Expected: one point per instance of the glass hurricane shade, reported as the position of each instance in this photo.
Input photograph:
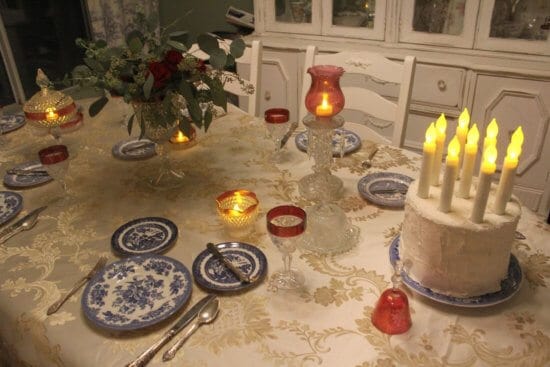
(324, 97)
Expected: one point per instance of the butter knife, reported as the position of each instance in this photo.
(27, 172)
(288, 134)
(23, 224)
(137, 146)
(98, 266)
(245, 278)
(147, 355)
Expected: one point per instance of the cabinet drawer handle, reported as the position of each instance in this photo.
(441, 85)
(267, 95)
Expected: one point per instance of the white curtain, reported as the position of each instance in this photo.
(111, 20)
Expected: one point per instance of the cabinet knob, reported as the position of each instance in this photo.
(441, 85)
(267, 95)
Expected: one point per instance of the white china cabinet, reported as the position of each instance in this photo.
(491, 56)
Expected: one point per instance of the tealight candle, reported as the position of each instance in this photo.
(468, 162)
(427, 163)
(181, 141)
(324, 109)
(238, 210)
(486, 171)
(51, 114)
(462, 132)
(440, 127)
(491, 134)
(449, 177)
(506, 183)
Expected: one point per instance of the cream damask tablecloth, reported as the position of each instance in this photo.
(326, 324)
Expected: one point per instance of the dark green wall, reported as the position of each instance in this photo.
(205, 15)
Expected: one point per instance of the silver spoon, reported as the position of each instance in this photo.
(206, 315)
(368, 162)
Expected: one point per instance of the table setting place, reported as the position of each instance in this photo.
(234, 247)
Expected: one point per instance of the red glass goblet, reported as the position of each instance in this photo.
(55, 160)
(277, 124)
(285, 225)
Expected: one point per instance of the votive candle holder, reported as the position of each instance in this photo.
(238, 210)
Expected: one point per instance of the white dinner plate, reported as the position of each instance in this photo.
(136, 292)
(509, 286)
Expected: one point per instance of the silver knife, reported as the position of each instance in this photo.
(147, 355)
(27, 222)
(235, 270)
(137, 146)
(288, 134)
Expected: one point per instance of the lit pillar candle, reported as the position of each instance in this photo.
(440, 127)
(491, 135)
(486, 171)
(468, 162)
(325, 108)
(506, 183)
(449, 177)
(462, 132)
(427, 163)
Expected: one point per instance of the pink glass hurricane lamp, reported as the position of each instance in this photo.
(325, 98)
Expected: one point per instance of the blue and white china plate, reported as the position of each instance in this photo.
(351, 144)
(11, 204)
(509, 286)
(22, 181)
(384, 188)
(136, 292)
(9, 123)
(129, 150)
(211, 274)
(144, 235)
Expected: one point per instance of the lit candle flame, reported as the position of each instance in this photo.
(441, 124)
(454, 148)
(490, 155)
(473, 135)
(464, 119)
(181, 137)
(430, 134)
(51, 115)
(517, 137)
(492, 129)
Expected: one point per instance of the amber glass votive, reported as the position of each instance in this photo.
(181, 141)
(238, 210)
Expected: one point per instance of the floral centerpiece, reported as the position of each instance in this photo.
(150, 68)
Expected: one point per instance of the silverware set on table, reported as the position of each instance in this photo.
(23, 224)
(202, 312)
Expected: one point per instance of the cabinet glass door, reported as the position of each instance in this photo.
(515, 25)
(354, 18)
(442, 22)
(293, 16)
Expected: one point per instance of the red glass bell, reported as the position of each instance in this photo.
(391, 314)
(324, 97)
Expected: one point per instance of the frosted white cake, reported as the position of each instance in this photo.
(451, 255)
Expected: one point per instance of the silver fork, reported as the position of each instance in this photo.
(57, 304)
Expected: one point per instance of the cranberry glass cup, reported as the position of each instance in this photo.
(285, 225)
(277, 124)
(55, 160)
(324, 97)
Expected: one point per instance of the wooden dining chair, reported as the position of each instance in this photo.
(251, 63)
(371, 97)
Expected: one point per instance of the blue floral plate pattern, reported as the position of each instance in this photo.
(22, 181)
(384, 188)
(509, 286)
(351, 144)
(144, 235)
(211, 274)
(136, 292)
(129, 150)
(10, 123)
(11, 204)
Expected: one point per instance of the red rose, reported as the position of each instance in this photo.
(201, 66)
(172, 59)
(161, 72)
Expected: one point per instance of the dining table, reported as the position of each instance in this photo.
(327, 322)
